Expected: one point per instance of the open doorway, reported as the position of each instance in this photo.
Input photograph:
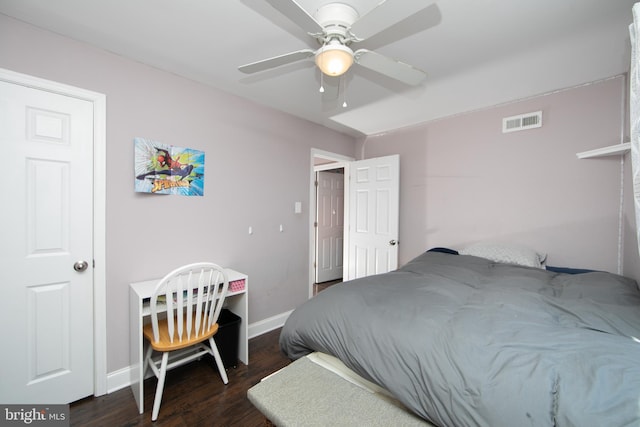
(326, 218)
(371, 213)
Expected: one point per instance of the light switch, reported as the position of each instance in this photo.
(297, 207)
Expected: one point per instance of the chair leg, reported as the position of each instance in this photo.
(216, 356)
(160, 386)
(147, 362)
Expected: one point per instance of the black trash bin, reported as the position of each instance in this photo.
(228, 337)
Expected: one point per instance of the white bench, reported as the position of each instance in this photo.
(305, 393)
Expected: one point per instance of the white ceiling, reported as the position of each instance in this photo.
(477, 53)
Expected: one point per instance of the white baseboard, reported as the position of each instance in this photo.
(268, 324)
(121, 378)
(118, 379)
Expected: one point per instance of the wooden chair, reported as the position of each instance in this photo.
(184, 308)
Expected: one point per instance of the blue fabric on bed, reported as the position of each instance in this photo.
(444, 251)
(567, 270)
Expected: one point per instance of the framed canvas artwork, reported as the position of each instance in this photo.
(166, 169)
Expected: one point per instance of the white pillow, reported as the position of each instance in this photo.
(505, 253)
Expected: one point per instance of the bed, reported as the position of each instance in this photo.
(462, 340)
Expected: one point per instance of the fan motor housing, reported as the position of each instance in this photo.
(336, 19)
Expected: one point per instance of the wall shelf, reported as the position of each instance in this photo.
(605, 151)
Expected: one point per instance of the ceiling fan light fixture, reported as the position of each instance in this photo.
(334, 59)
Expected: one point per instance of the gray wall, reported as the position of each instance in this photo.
(463, 180)
(257, 166)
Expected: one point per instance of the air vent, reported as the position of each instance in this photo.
(522, 122)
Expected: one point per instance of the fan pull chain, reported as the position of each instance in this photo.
(344, 92)
(321, 83)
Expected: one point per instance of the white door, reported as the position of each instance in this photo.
(373, 216)
(46, 307)
(330, 226)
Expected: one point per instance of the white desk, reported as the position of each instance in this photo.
(139, 295)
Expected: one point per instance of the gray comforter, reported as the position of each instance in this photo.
(463, 341)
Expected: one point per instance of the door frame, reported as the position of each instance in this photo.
(338, 161)
(99, 211)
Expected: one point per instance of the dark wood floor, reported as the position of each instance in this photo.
(319, 287)
(194, 394)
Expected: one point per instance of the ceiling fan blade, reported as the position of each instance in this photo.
(383, 16)
(292, 10)
(276, 61)
(397, 70)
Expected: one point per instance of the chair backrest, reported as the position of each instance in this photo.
(192, 297)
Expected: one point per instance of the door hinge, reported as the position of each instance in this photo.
(315, 224)
(315, 183)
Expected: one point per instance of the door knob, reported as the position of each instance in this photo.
(80, 266)
(392, 242)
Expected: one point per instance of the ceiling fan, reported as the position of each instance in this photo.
(336, 26)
